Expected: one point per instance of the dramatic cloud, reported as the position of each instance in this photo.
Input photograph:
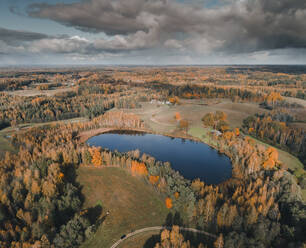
(172, 31)
(21, 41)
(16, 37)
(237, 27)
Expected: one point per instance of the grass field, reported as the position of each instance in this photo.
(36, 92)
(132, 202)
(202, 133)
(296, 100)
(161, 117)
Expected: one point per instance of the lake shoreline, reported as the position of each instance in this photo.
(86, 135)
(194, 155)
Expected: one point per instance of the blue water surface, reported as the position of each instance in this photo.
(192, 159)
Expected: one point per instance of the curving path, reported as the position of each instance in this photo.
(157, 228)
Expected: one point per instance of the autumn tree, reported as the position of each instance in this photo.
(219, 243)
(154, 179)
(174, 100)
(216, 120)
(177, 116)
(139, 168)
(173, 239)
(168, 202)
(95, 153)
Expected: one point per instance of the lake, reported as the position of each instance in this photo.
(192, 159)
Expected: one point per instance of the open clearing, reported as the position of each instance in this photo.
(296, 100)
(161, 117)
(132, 202)
(35, 92)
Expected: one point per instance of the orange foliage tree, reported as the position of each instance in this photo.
(219, 242)
(272, 158)
(237, 131)
(177, 116)
(95, 153)
(174, 100)
(139, 168)
(169, 203)
(154, 179)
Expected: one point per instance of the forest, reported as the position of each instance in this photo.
(42, 202)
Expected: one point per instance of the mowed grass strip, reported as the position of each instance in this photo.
(133, 203)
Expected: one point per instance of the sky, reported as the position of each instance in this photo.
(152, 32)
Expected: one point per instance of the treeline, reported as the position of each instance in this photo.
(85, 102)
(43, 109)
(18, 83)
(174, 238)
(274, 100)
(273, 128)
(92, 95)
(280, 104)
(298, 94)
(48, 86)
(195, 91)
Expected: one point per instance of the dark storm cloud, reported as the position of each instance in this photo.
(268, 24)
(238, 26)
(14, 37)
(278, 6)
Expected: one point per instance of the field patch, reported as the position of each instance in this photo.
(161, 117)
(132, 203)
(35, 92)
